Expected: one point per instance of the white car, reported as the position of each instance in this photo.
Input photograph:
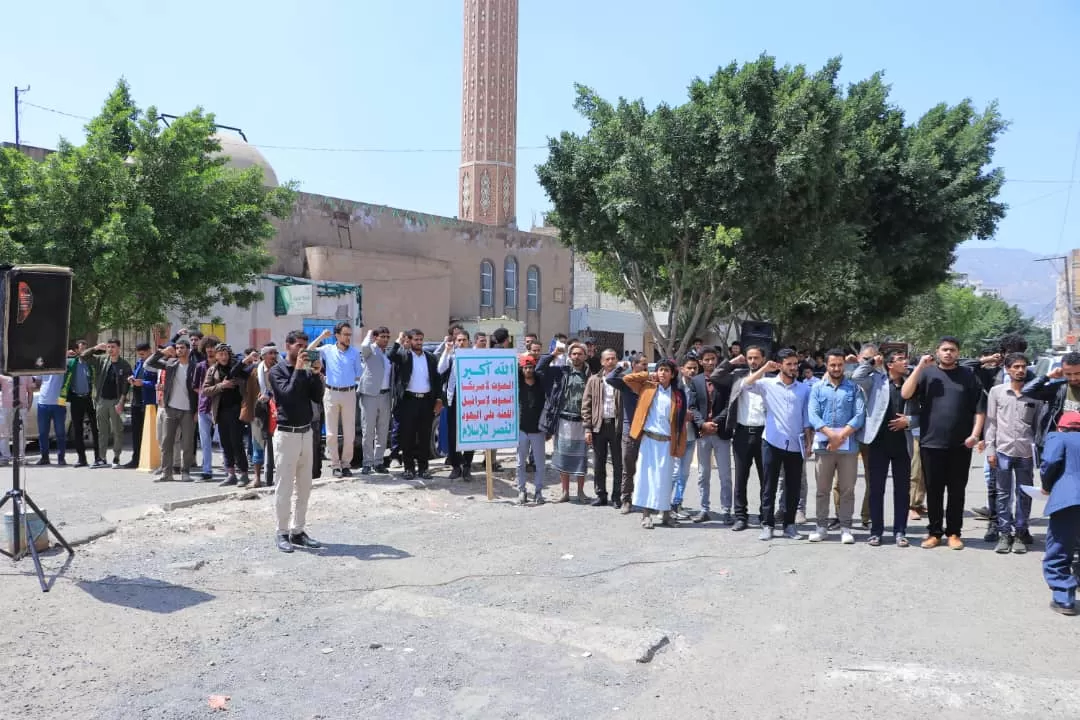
(30, 429)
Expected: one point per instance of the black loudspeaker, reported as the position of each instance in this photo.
(756, 332)
(36, 312)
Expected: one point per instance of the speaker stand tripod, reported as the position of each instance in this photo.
(19, 502)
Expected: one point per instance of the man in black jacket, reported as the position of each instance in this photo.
(746, 422)
(419, 393)
(708, 406)
(1060, 390)
(295, 384)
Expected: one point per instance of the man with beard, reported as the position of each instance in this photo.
(837, 412)
(344, 368)
(953, 409)
(708, 406)
(788, 436)
(746, 422)
(1060, 390)
(376, 384)
(111, 372)
(638, 364)
(420, 401)
(563, 419)
(1009, 437)
(601, 411)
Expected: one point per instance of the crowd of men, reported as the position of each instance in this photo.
(918, 424)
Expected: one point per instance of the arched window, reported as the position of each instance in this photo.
(532, 289)
(487, 284)
(510, 283)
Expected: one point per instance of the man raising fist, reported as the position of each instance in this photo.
(953, 408)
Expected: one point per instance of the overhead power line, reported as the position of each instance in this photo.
(307, 148)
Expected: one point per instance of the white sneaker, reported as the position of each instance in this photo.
(847, 538)
(819, 535)
(766, 533)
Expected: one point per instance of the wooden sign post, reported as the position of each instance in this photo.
(487, 405)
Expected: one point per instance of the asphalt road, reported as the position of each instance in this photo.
(430, 602)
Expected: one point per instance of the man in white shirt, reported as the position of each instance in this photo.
(420, 401)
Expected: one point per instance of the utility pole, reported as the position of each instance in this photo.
(18, 92)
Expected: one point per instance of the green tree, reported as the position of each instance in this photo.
(147, 216)
(976, 320)
(791, 198)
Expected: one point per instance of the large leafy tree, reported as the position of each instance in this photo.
(146, 214)
(772, 192)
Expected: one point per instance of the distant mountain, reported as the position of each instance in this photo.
(1015, 275)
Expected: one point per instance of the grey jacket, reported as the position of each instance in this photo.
(875, 386)
(371, 382)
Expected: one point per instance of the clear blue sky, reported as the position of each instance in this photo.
(387, 74)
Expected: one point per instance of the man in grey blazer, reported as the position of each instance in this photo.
(885, 433)
(375, 398)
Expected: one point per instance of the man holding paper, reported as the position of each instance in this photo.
(837, 411)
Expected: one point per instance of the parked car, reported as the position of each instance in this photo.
(30, 429)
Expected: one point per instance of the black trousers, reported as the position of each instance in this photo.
(138, 412)
(607, 443)
(82, 411)
(746, 446)
(462, 460)
(232, 438)
(789, 462)
(415, 416)
(945, 470)
(631, 448)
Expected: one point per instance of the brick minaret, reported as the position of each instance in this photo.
(486, 179)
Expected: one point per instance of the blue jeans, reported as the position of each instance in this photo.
(206, 442)
(56, 415)
(682, 468)
(530, 442)
(1010, 473)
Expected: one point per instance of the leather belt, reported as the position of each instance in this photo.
(384, 391)
(657, 436)
(341, 389)
(570, 416)
(294, 428)
(416, 395)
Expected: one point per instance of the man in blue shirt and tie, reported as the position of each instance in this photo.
(837, 411)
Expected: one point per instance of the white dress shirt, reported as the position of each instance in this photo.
(419, 380)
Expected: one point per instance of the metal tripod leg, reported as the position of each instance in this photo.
(17, 499)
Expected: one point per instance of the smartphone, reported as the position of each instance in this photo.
(312, 355)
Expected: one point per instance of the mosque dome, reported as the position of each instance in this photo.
(244, 155)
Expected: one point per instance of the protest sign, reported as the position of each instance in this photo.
(487, 399)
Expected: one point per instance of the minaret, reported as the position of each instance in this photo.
(487, 183)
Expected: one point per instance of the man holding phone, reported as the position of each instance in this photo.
(296, 384)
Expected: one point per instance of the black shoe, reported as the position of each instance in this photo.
(100, 464)
(346, 472)
(726, 519)
(229, 481)
(702, 516)
(207, 476)
(302, 540)
(1024, 536)
(600, 501)
(1063, 609)
(131, 465)
(382, 469)
(336, 472)
(426, 475)
(739, 525)
(538, 498)
(455, 473)
(408, 475)
(983, 512)
(366, 470)
(42, 461)
(834, 524)
(991, 535)
(466, 475)
(61, 463)
(283, 544)
(82, 463)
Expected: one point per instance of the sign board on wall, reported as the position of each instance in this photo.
(487, 399)
(294, 300)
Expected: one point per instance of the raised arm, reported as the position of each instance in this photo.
(367, 344)
(911, 384)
